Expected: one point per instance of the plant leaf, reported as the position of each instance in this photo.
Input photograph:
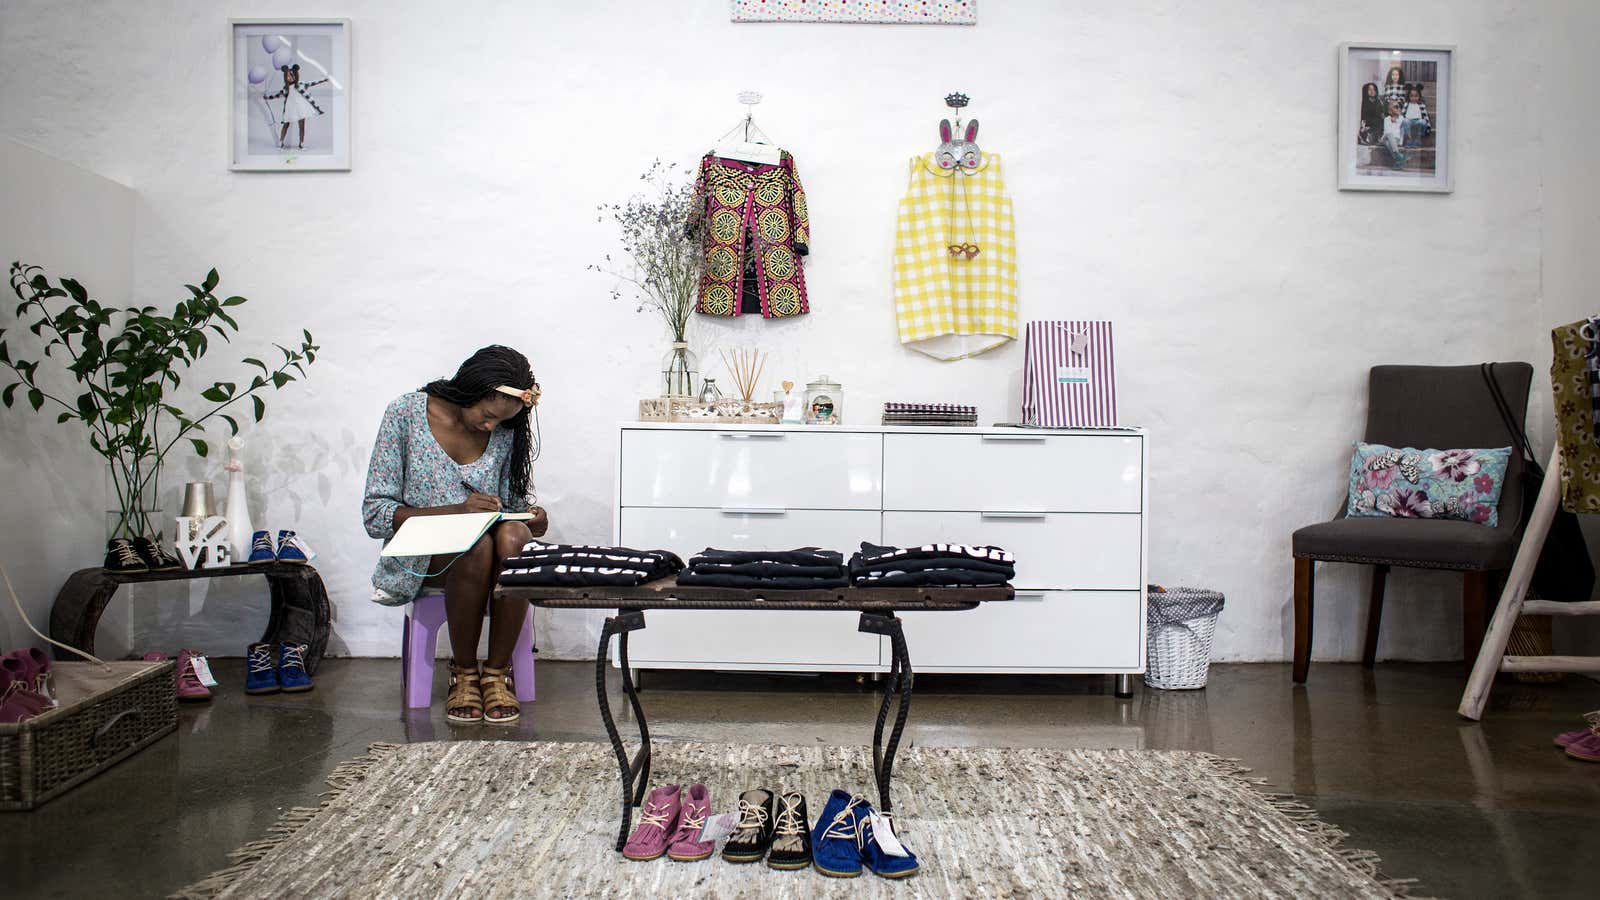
(261, 407)
(61, 418)
(7, 394)
(199, 446)
(211, 282)
(279, 379)
(214, 394)
(234, 301)
(35, 398)
(233, 426)
(251, 360)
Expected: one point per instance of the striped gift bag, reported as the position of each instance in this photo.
(1070, 376)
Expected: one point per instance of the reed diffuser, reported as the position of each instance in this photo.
(746, 367)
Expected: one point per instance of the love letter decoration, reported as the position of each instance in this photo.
(202, 543)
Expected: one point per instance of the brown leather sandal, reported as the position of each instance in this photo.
(464, 704)
(499, 701)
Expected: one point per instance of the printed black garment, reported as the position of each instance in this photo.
(803, 556)
(694, 577)
(767, 570)
(561, 575)
(932, 578)
(857, 569)
(873, 554)
(567, 565)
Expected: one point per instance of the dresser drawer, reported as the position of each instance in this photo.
(1091, 631)
(753, 468)
(688, 531)
(1020, 472)
(1059, 551)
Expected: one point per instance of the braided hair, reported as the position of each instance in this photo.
(476, 379)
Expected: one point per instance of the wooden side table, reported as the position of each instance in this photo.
(299, 612)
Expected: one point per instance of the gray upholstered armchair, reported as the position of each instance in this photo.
(1439, 407)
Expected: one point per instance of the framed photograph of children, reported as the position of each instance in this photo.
(1395, 117)
(289, 108)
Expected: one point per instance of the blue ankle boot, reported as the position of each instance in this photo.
(882, 863)
(262, 675)
(292, 675)
(835, 839)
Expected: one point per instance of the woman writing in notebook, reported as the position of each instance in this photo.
(461, 445)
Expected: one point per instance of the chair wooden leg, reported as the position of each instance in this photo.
(1369, 653)
(1475, 590)
(1303, 583)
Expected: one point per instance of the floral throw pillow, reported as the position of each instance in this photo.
(1427, 484)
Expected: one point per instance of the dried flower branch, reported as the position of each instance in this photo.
(663, 268)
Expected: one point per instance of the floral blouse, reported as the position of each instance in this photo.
(409, 468)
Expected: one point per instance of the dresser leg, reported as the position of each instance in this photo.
(1123, 687)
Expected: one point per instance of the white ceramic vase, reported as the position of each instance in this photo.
(240, 531)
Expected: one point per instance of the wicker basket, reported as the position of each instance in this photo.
(104, 717)
(1181, 622)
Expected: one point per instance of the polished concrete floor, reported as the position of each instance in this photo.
(1471, 810)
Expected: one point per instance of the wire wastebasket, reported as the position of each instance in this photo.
(1181, 622)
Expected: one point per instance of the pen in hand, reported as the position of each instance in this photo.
(471, 492)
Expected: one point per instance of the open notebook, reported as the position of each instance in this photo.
(436, 535)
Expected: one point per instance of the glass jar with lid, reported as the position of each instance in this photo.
(824, 402)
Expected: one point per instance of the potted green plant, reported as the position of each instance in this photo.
(663, 266)
(128, 365)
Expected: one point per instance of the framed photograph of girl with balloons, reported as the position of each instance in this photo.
(290, 100)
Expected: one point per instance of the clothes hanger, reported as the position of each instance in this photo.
(742, 147)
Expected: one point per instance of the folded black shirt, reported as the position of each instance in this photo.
(803, 556)
(695, 577)
(561, 575)
(932, 578)
(766, 570)
(568, 565)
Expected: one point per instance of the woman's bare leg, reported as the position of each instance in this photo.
(283, 133)
(302, 134)
(466, 598)
(505, 616)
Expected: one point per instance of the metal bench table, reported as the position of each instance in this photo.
(877, 607)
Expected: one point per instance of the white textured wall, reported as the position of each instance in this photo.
(1173, 170)
(52, 515)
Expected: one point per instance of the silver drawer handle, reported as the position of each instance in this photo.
(1012, 515)
(752, 435)
(754, 511)
(1013, 438)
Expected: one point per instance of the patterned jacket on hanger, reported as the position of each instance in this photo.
(750, 219)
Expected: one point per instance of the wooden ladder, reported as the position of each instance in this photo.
(1491, 656)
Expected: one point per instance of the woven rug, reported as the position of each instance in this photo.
(502, 819)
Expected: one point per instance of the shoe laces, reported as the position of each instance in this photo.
(293, 656)
(752, 816)
(847, 824)
(789, 822)
(263, 541)
(691, 824)
(189, 676)
(655, 815)
(260, 659)
(126, 555)
(1593, 718)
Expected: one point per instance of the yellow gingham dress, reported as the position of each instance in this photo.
(954, 307)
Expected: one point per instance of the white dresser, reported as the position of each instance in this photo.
(1069, 504)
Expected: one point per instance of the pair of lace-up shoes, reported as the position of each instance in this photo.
(141, 554)
(776, 828)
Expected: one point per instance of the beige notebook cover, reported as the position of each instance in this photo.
(435, 535)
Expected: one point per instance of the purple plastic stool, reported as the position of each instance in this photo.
(421, 638)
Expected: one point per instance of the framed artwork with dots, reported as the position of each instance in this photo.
(874, 12)
(289, 95)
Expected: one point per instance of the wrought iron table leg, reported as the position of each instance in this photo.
(633, 784)
(896, 686)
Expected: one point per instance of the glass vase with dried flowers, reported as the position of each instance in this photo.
(661, 265)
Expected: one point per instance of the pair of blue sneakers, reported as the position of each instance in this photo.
(290, 548)
(287, 673)
(842, 842)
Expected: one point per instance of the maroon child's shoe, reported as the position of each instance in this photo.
(187, 681)
(1586, 748)
(19, 702)
(686, 845)
(657, 824)
(1566, 738)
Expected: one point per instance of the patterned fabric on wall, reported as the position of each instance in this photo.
(882, 12)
